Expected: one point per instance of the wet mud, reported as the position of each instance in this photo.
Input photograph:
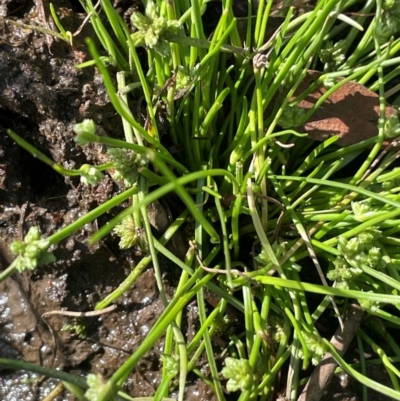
(42, 95)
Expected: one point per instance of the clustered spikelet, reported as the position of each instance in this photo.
(126, 164)
(130, 235)
(32, 252)
(151, 28)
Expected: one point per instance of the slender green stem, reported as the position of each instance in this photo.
(41, 156)
(42, 370)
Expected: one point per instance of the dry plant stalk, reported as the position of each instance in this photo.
(341, 340)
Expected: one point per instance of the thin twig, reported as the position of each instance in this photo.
(221, 271)
(55, 392)
(341, 340)
(80, 314)
(86, 19)
(74, 314)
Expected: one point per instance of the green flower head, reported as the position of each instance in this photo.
(392, 7)
(280, 328)
(85, 132)
(90, 175)
(333, 55)
(151, 29)
(392, 127)
(170, 364)
(130, 235)
(387, 26)
(362, 210)
(32, 252)
(126, 164)
(343, 272)
(367, 305)
(96, 385)
(315, 346)
(239, 373)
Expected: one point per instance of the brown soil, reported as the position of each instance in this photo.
(42, 95)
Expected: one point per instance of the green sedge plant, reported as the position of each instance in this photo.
(245, 175)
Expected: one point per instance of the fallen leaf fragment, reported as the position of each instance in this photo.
(352, 112)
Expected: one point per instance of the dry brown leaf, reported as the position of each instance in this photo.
(352, 112)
